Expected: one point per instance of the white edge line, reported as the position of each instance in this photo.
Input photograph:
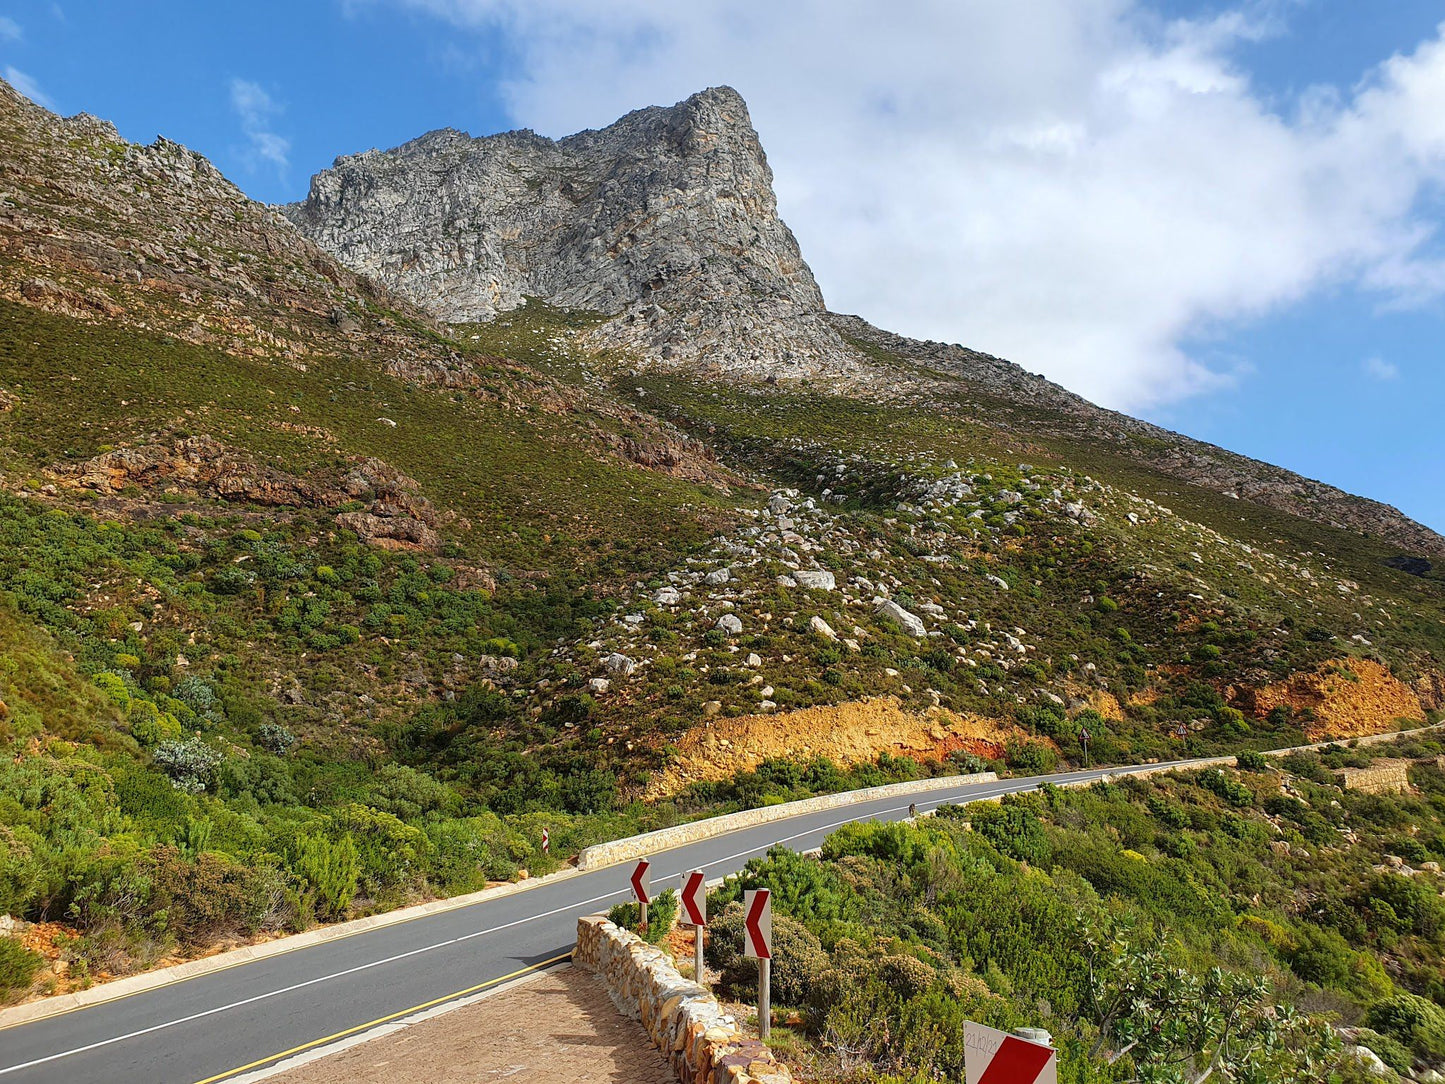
(302, 985)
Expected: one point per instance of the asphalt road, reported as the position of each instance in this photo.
(218, 1026)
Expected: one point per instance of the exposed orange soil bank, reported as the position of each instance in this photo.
(1347, 697)
(850, 733)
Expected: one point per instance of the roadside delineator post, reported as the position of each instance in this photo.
(694, 908)
(642, 890)
(758, 943)
(996, 1057)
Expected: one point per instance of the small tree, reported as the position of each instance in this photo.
(1177, 1027)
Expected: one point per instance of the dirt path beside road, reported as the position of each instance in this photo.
(559, 1028)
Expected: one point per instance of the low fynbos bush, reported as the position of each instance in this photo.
(275, 738)
(661, 913)
(1030, 757)
(18, 965)
(798, 958)
(191, 765)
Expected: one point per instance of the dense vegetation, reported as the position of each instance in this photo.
(1251, 924)
(221, 719)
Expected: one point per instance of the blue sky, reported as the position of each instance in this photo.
(1223, 217)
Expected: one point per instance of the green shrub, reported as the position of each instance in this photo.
(210, 895)
(803, 887)
(391, 854)
(191, 765)
(1014, 829)
(661, 914)
(1392, 1052)
(1322, 956)
(798, 958)
(908, 976)
(1412, 1021)
(18, 965)
(1029, 757)
(150, 726)
(327, 870)
(275, 738)
(113, 685)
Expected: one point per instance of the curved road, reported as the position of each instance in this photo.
(237, 1021)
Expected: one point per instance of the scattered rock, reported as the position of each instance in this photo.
(619, 665)
(815, 579)
(911, 623)
(823, 629)
(729, 624)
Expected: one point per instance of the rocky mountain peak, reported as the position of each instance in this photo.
(665, 221)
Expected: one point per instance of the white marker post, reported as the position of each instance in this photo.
(758, 943)
(641, 889)
(694, 906)
(995, 1057)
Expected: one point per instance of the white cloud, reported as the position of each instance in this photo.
(1377, 368)
(1078, 185)
(255, 109)
(9, 29)
(28, 87)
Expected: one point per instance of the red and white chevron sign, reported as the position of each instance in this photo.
(995, 1057)
(758, 924)
(640, 887)
(694, 898)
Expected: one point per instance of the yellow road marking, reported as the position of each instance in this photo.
(383, 1020)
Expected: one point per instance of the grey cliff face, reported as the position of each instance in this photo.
(665, 220)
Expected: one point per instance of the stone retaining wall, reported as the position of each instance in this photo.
(703, 1043)
(634, 847)
(1390, 776)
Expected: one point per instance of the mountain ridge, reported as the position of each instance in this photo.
(700, 321)
(664, 213)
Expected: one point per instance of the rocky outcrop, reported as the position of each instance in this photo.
(702, 1042)
(665, 221)
(396, 515)
(908, 621)
(1430, 688)
(97, 228)
(851, 733)
(199, 464)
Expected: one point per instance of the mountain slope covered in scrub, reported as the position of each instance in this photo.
(312, 604)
